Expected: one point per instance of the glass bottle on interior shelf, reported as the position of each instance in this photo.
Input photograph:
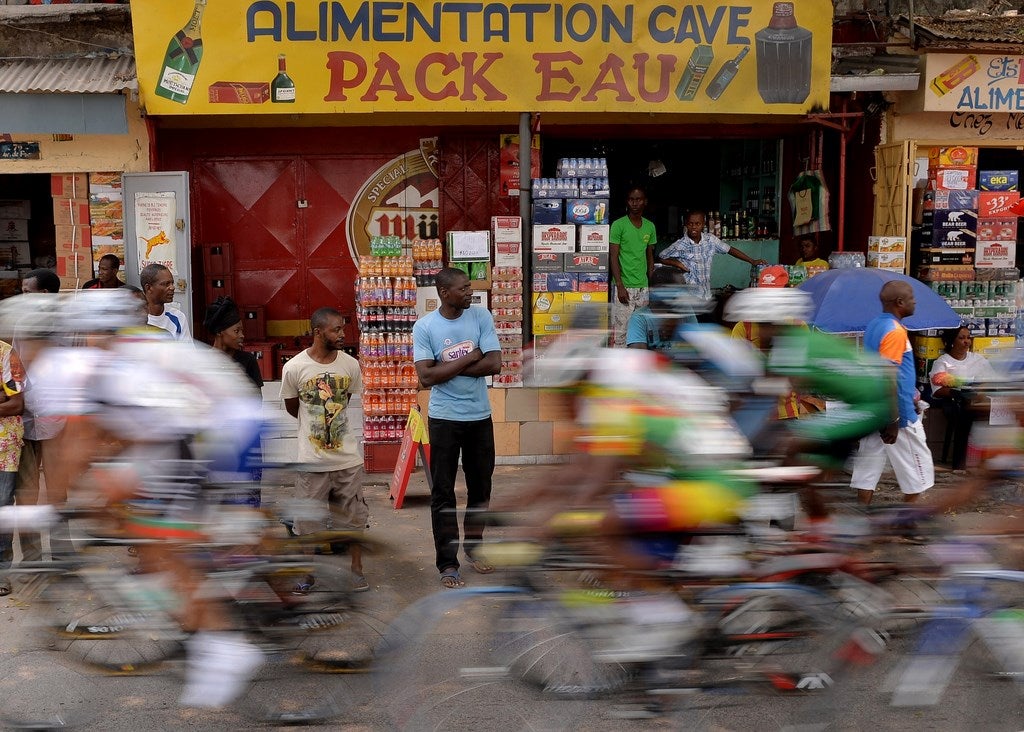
(182, 58)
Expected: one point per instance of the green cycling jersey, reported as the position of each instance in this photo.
(833, 368)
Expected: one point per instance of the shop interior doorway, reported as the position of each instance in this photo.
(30, 232)
(680, 175)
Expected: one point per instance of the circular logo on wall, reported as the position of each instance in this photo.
(401, 199)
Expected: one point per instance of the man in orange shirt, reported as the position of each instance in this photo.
(902, 441)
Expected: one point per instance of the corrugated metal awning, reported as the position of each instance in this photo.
(82, 75)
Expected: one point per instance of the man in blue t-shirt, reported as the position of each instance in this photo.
(656, 326)
(455, 348)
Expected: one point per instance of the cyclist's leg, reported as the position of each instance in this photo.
(27, 492)
(7, 481)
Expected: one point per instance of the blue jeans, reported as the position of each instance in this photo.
(7, 482)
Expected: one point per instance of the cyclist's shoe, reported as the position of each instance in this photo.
(220, 665)
(304, 586)
(654, 627)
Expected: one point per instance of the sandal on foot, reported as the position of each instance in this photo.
(5, 587)
(450, 579)
(359, 583)
(479, 566)
(304, 587)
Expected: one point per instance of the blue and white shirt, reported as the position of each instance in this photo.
(697, 257)
(174, 322)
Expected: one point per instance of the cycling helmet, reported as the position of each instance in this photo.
(768, 305)
(100, 311)
(140, 401)
(1009, 369)
(32, 315)
(565, 362)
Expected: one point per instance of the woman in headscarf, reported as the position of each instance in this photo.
(224, 322)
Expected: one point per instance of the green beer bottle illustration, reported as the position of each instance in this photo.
(716, 87)
(181, 62)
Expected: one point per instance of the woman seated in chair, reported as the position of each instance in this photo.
(951, 378)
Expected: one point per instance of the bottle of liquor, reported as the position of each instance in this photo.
(181, 62)
(282, 88)
(721, 79)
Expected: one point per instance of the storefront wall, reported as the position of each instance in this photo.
(297, 201)
(128, 153)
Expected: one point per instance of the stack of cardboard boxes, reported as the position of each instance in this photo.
(507, 297)
(888, 252)
(14, 247)
(570, 249)
(70, 193)
(969, 249)
(106, 214)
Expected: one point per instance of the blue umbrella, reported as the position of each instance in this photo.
(846, 300)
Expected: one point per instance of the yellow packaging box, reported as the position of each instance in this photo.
(991, 345)
(550, 324)
(927, 346)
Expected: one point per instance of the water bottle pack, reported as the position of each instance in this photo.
(582, 167)
(846, 260)
(555, 188)
(386, 246)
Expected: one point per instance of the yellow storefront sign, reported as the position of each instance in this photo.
(360, 56)
(970, 83)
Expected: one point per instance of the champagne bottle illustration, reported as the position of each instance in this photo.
(726, 74)
(783, 58)
(181, 62)
(282, 88)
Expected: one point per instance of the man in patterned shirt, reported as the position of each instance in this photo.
(696, 251)
(11, 431)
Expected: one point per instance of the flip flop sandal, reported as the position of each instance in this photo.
(480, 567)
(5, 587)
(451, 580)
(359, 583)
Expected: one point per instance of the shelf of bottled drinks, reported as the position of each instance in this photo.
(386, 311)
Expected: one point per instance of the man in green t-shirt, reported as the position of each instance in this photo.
(631, 258)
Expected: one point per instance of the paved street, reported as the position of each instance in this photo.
(400, 575)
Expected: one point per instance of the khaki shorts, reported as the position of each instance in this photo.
(342, 491)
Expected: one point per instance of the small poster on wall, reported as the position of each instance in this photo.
(508, 163)
(154, 226)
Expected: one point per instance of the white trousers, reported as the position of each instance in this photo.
(910, 458)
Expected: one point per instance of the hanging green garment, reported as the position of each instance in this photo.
(808, 198)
